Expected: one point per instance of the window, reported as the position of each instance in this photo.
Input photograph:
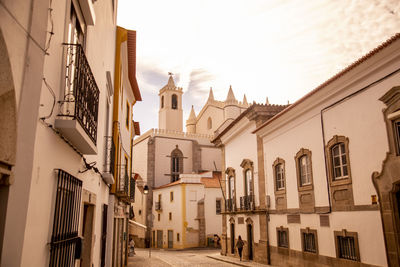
(305, 180)
(177, 237)
(231, 187)
(309, 240)
(218, 206)
(176, 164)
(249, 182)
(171, 196)
(140, 212)
(127, 115)
(158, 216)
(170, 216)
(162, 101)
(174, 101)
(279, 177)
(339, 162)
(282, 237)
(347, 245)
(304, 168)
(209, 123)
(76, 27)
(397, 134)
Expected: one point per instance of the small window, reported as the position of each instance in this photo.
(171, 196)
(309, 240)
(347, 245)
(279, 177)
(176, 164)
(177, 237)
(162, 101)
(283, 237)
(218, 206)
(127, 115)
(397, 134)
(170, 216)
(174, 101)
(209, 123)
(339, 162)
(140, 212)
(159, 217)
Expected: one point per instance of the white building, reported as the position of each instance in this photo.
(244, 183)
(162, 155)
(183, 210)
(57, 67)
(331, 166)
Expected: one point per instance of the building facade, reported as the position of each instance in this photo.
(328, 206)
(58, 96)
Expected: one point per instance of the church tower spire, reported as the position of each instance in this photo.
(191, 122)
(230, 97)
(170, 114)
(210, 95)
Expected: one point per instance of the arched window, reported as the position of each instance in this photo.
(176, 164)
(339, 162)
(279, 177)
(278, 168)
(162, 101)
(174, 101)
(209, 123)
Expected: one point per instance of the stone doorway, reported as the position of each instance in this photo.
(250, 241)
(159, 238)
(232, 238)
(87, 232)
(170, 239)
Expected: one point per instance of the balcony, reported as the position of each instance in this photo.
(108, 171)
(77, 119)
(230, 205)
(122, 184)
(157, 206)
(247, 202)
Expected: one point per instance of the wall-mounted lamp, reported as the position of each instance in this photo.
(145, 190)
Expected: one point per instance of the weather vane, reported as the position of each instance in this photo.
(170, 73)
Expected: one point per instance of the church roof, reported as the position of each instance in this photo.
(245, 101)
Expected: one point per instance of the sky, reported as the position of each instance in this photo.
(262, 48)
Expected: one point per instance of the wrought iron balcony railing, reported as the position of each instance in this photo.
(157, 206)
(81, 99)
(230, 205)
(132, 189)
(247, 202)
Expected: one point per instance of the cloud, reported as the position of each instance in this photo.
(199, 81)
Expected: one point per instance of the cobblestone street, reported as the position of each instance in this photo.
(191, 258)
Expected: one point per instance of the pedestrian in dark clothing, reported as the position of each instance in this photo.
(239, 245)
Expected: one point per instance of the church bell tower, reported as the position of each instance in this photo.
(170, 114)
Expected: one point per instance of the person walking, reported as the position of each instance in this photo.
(132, 247)
(239, 245)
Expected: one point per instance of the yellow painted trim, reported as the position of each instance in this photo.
(184, 223)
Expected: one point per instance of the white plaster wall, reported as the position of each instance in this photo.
(163, 149)
(283, 143)
(213, 220)
(168, 118)
(209, 155)
(241, 229)
(372, 246)
(217, 116)
(243, 145)
(175, 206)
(139, 158)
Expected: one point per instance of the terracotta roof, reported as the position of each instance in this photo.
(334, 78)
(132, 64)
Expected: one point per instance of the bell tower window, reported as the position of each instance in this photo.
(162, 102)
(174, 102)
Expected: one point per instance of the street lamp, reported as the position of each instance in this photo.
(146, 192)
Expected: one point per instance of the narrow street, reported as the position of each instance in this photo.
(191, 258)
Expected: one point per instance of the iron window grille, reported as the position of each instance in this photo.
(247, 202)
(132, 189)
(347, 248)
(309, 242)
(123, 181)
(283, 238)
(81, 99)
(65, 243)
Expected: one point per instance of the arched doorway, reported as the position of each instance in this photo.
(8, 132)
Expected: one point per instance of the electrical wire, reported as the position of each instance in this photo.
(54, 100)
